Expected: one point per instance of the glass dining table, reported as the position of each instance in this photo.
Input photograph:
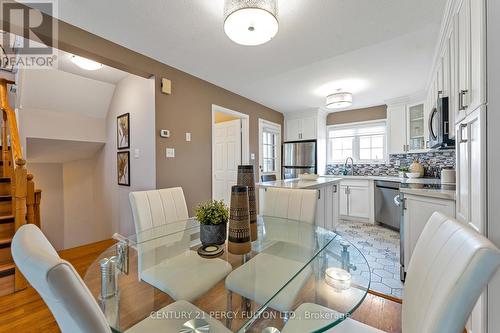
(298, 277)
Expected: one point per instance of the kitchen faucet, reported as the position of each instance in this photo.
(352, 166)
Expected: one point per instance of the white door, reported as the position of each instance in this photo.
(308, 128)
(344, 211)
(396, 128)
(269, 149)
(227, 155)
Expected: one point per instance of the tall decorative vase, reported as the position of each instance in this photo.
(246, 177)
(239, 241)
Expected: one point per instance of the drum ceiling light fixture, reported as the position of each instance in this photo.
(251, 22)
(339, 100)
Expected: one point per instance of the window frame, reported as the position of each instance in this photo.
(356, 142)
(276, 159)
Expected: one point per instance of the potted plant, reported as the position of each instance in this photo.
(213, 217)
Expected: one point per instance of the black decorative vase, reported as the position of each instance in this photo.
(213, 233)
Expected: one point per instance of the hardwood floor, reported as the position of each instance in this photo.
(25, 311)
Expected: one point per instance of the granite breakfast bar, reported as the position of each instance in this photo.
(328, 205)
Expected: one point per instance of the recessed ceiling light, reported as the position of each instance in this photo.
(339, 100)
(251, 22)
(87, 64)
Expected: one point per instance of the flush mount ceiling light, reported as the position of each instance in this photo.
(87, 64)
(251, 22)
(339, 100)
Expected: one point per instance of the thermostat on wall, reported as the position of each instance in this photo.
(165, 133)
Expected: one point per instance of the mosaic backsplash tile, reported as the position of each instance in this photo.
(432, 162)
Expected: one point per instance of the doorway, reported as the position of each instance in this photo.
(269, 149)
(230, 148)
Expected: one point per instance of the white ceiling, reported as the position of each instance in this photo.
(383, 48)
(59, 151)
(55, 90)
(104, 74)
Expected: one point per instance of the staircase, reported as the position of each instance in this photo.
(19, 201)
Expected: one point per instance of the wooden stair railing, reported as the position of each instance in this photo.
(25, 199)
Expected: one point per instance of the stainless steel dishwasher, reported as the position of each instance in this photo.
(386, 212)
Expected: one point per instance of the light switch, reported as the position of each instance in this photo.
(252, 156)
(188, 137)
(170, 152)
(137, 153)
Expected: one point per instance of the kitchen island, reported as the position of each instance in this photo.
(328, 204)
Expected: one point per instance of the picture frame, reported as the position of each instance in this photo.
(123, 131)
(123, 168)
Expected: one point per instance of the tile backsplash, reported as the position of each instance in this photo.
(431, 161)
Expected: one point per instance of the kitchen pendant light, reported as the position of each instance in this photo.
(339, 100)
(251, 22)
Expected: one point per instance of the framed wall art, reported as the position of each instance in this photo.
(123, 131)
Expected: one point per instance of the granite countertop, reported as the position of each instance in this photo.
(301, 184)
(417, 186)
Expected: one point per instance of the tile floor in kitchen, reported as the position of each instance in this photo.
(380, 246)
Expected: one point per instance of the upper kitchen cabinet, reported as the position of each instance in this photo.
(469, 28)
(396, 128)
(406, 128)
(301, 129)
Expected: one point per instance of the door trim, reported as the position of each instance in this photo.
(245, 136)
(262, 123)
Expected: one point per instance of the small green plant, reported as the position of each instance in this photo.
(404, 169)
(212, 212)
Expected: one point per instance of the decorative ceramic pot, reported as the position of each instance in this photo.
(416, 167)
(239, 241)
(213, 233)
(246, 177)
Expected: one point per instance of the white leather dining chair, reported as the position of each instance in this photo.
(449, 268)
(290, 248)
(69, 299)
(292, 204)
(160, 260)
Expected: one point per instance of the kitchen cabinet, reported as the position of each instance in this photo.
(406, 128)
(327, 208)
(357, 200)
(417, 211)
(396, 128)
(471, 173)
(301, 129)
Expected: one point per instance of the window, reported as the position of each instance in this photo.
(270, 142)
(364, 142)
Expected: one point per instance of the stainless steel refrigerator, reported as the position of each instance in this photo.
(299, 157)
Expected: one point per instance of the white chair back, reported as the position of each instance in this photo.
(450, 267)
(57, 282)
(293, 204)
(166, 211)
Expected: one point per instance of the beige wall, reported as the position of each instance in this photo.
(357, 115)
(187, 109)
(49, 177)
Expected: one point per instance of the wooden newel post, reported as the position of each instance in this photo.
(5, 146)
(38, 199)
(30, 200)
(21, 181)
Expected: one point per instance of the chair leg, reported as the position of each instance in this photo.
(229, 309)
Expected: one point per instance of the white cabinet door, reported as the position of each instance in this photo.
(463, 172)
(463, 30)
(308, 128)
(359, 199)
(292, 129)
(477, 54)
(344, 211)
(418, 210)
(396, 129)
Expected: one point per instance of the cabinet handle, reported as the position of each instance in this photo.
(460, 133)
(461, 104)
(319, 194)
(446, 127)
(334, 188)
